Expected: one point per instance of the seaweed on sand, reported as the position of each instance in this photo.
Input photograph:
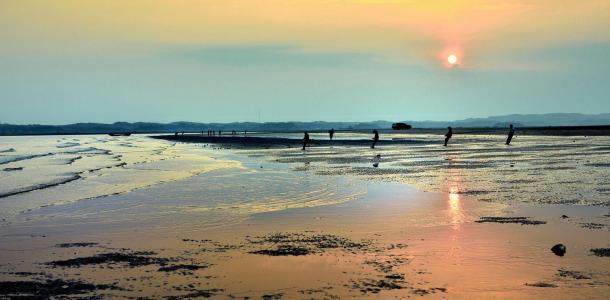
(296, 244)
(49, 288)
(182, 268)
(132, 259)
(572, 274)
(541, 285)
(284, 250)
(197, 294)
(513, 220)
(74, 245)
(601, 252)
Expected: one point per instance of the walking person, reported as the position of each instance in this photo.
(305, 140)
(448, 135)
(375, 138)
(511, 133)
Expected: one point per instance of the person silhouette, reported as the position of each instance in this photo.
(331, 133)
(448, 135)
(511, 133)
(305, 139)
(375, 138)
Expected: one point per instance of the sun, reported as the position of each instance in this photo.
(452, 59)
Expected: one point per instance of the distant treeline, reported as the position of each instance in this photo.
(520, 121)
(141, 127)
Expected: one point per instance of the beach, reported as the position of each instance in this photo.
(179, 217)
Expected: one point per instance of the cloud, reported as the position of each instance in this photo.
(274, 55)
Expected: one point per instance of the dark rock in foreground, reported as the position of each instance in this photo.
(559, 249)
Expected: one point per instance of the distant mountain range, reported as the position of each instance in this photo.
(532, 120)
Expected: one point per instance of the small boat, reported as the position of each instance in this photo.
(119, 134)
(401, 126)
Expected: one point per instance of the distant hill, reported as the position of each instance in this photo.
(531, 120)
(540, 120)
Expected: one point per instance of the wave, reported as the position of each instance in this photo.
(68, 145)
(41, 186)
(12, 159)
(12, 169)
(89, 150)
(72, 160)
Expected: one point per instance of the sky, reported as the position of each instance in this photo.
(67, 61)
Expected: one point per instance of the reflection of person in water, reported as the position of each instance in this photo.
(375, 138)
(511, 133)
(448, 135)
(305, 140)
(331, 133)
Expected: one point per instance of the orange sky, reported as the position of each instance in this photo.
(408, 31)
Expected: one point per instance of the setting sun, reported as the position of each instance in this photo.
(452, 59)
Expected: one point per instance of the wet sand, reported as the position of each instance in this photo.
(388, 240)
(254, 142)
(393, 243)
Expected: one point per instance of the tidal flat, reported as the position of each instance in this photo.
(129, 217)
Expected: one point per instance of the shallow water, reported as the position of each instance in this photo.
(48, 178)
(533, 169)
(41, 175)
(43, 171)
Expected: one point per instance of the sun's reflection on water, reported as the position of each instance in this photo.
(454, 201)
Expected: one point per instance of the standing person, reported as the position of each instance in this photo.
(375, 138)
(511, 133)
(305, 140)
(331, 133)
(219, 132)
(448, 135)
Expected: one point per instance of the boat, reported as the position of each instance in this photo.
(120, 134)
(401, 126)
